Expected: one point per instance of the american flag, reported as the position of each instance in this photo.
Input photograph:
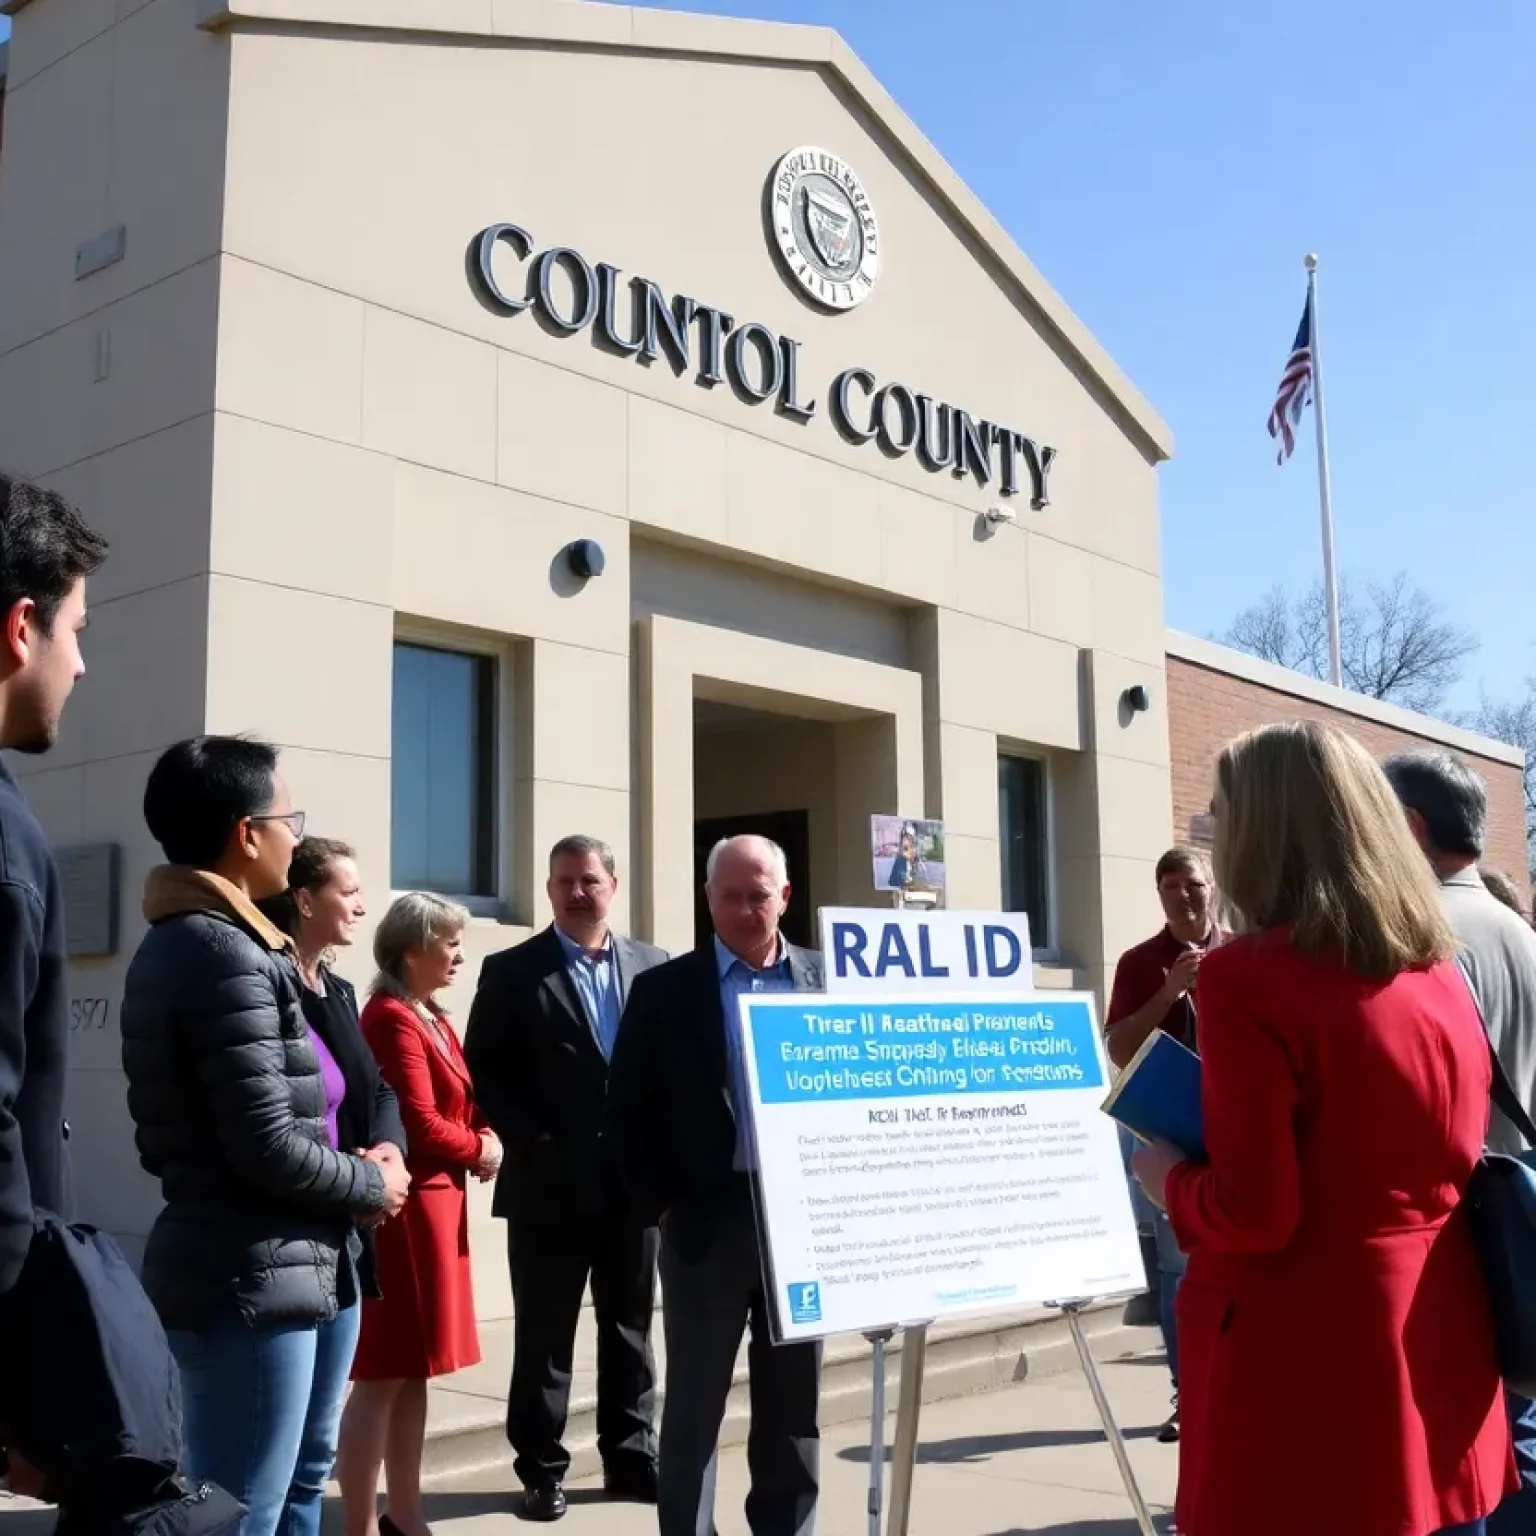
(1295, 387)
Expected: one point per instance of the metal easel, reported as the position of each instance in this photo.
(909, 1406)
(878, 1340)
(909, 1392)
(1072, 1311)
(909, 1403)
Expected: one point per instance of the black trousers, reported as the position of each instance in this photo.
(550, 1268)
(706, 1307)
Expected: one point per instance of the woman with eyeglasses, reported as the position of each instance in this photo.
(252, 1264)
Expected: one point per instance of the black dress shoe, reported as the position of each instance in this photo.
(546, 1502)
(635, 1485)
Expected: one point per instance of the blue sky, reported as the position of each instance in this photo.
(1168, 166)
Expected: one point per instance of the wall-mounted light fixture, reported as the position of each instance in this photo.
(585, 557)
(1137, 699)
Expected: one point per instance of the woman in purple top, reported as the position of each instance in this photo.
(332, 1076)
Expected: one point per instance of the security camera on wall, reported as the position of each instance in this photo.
(996, 515)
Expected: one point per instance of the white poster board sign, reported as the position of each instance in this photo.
(927, 1157)
(926, 954)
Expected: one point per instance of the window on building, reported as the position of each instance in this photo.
(443, 774)
(1024, 840)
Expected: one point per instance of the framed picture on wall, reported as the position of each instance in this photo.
(908, 854)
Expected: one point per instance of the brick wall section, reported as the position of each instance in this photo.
(1206, 708)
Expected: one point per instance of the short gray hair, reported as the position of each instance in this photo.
(412, 922)
(1449, 796)
(578, 846)
(770, 849)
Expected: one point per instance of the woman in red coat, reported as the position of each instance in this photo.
(423, 1323)
(1337, 1359)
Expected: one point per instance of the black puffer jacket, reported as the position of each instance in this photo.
(229, 1107)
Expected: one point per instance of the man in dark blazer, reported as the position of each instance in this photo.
(680, 1131)
(541, 1034)
(46, 553)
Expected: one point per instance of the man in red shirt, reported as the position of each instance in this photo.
(1155, 989)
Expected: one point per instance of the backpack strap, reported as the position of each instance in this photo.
(1503, 1094)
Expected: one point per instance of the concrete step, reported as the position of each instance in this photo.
(465, 1425)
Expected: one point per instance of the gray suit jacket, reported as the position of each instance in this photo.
(1499, 951)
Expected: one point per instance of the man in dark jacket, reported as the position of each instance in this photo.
(541, 1033)
(679, 1119)
(46, 554)
(1154, 989)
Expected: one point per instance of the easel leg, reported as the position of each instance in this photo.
(878, 1342)
(1072, 1310)
(909, 1407)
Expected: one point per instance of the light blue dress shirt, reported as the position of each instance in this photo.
(596, 979)
(737, 980)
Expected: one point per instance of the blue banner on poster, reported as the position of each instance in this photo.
(828, 1049)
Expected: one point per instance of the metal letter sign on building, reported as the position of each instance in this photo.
(825, 227)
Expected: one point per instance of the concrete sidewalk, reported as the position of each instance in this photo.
(1024, 1458)
(466, 1412)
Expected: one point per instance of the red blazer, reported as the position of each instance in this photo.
(437, 1107)
(424, 1325)
(1337, 1369)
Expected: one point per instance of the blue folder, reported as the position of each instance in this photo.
(1157, 1097)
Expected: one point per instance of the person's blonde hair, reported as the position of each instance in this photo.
(1310, 833)
(412, 922)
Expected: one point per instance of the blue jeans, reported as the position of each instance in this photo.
(1516, 1516)
(1170, 1262)
(263, 1409)
(1170, 1272)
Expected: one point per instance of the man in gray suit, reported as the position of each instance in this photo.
(679, 1123)
(541, 1034)
(1447, 807)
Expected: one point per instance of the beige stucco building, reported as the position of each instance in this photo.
(243, 321)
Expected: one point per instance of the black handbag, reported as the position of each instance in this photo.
(90, 1394)
(1501, 1203)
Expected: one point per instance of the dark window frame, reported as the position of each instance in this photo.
(1037, 896)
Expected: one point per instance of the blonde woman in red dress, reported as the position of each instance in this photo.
(423, 1324)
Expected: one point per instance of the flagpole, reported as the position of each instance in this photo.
(1324, 494)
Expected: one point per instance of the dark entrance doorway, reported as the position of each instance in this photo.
(791, 830)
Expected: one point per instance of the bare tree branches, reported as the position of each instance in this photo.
(1515, 722)
(1394, 642)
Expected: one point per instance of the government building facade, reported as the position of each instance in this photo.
(544, 417)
